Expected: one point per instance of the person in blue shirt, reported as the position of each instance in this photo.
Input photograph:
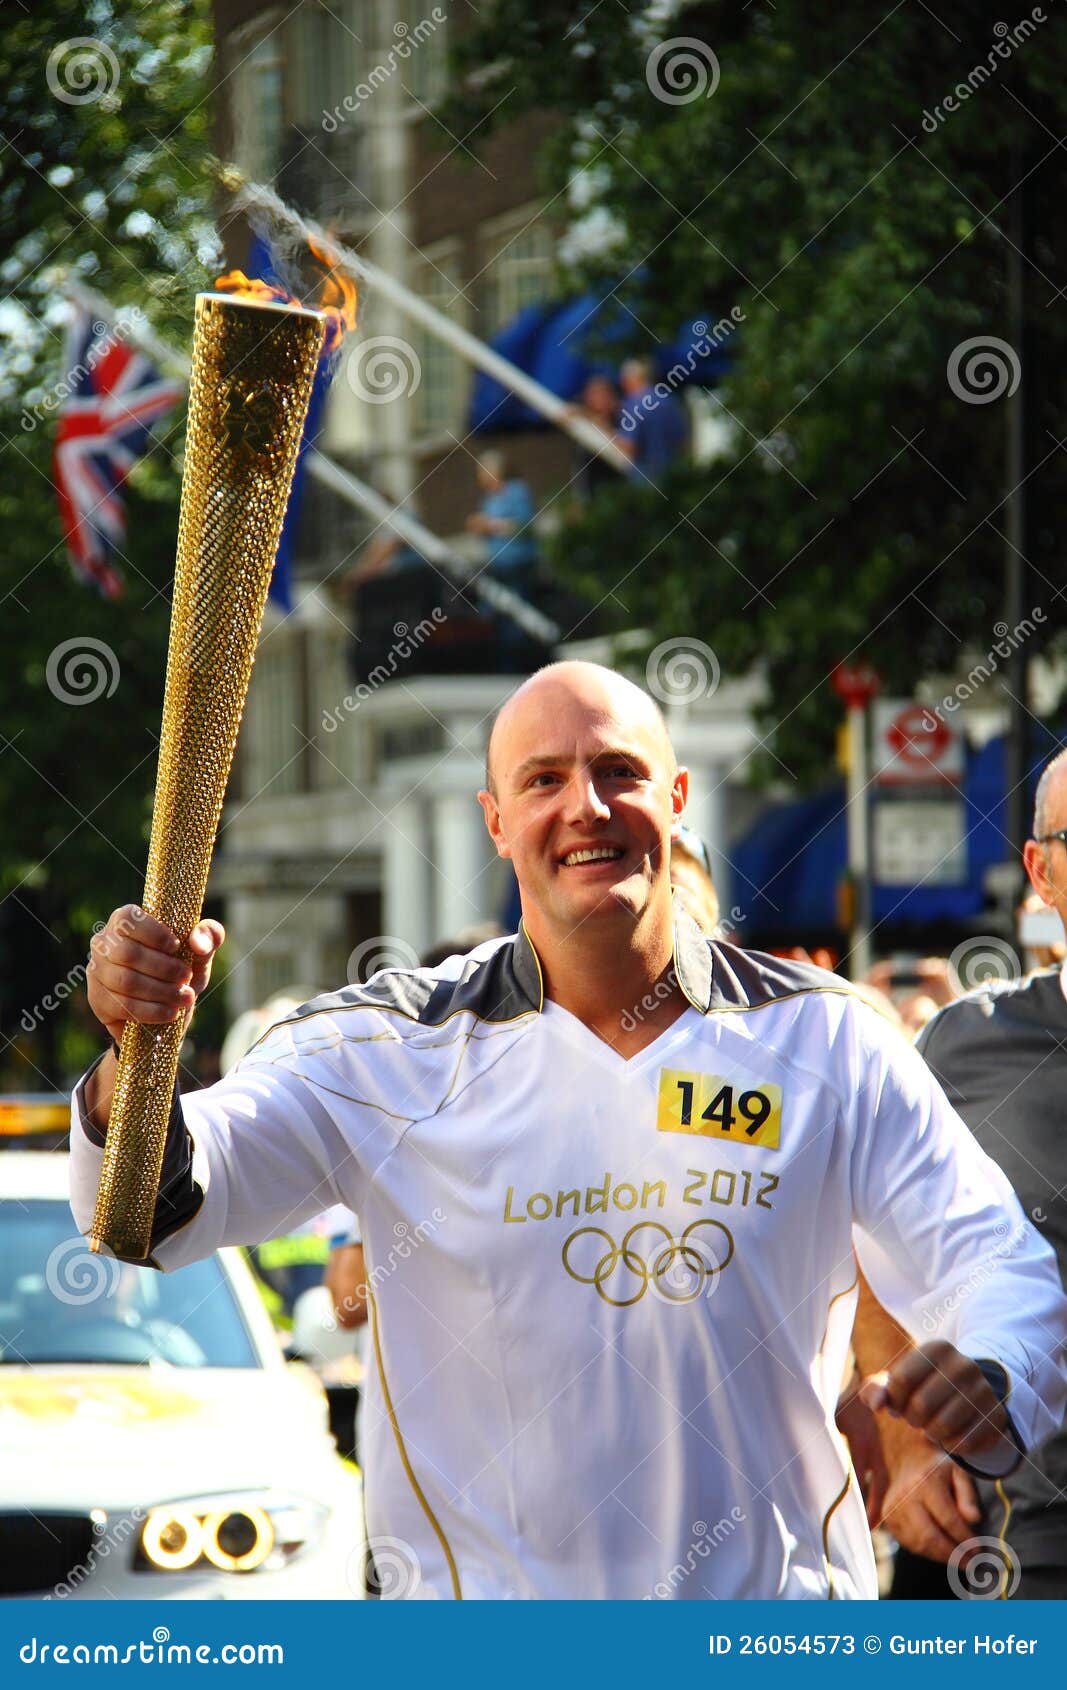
(505, 521)
(653, 428)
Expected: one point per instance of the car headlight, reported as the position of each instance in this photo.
(236, 1534)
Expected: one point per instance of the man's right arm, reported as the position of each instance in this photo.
(247, 1159)
(139, 971)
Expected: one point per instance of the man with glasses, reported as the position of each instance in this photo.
(1001, 1055)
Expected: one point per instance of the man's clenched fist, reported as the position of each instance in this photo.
(942, 1393)
(140, 971)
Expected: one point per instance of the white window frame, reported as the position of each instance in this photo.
(256, 153)
(441, 260)
(502, 275)
(317, 87)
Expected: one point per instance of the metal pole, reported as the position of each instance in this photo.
(428, 545)
(136, 328)
(859, 859)
(250, 197)
(1015, 566)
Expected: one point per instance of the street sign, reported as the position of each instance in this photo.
(856, 684)
(919, 842)
(914, 746)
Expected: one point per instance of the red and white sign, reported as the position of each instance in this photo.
(914, 745)
(856, 684)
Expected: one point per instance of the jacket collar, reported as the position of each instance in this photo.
(692, 964)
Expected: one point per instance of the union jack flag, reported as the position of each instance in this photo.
(113, 396)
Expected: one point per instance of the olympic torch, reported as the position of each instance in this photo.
(253, 366)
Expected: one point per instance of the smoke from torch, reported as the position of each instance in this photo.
(337, 294)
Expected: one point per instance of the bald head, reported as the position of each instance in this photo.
(587, 687)
(1050, 795)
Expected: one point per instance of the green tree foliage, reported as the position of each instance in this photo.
(103, 148)
(819, 182)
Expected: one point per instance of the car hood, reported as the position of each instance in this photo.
(117, 1437)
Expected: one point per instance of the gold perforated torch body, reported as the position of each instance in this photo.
(253, 366)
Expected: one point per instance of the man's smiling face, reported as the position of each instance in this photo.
(585, 791)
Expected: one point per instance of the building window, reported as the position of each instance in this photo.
(444, 388)
(425, 69)
(331, 47)
(278, 760)
(517, 254)
(257, 97)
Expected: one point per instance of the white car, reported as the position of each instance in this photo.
(156, 1443)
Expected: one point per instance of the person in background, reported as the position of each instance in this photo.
(1040, 934)
(692, 880)
(384, 554)
(505, 522)
(599, 405)
(999, 1054)
(918, 989)
(346, 1277)
(653, 428)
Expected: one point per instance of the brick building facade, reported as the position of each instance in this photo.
(317, 98)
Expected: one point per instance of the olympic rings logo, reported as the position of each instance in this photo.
(678, 1270)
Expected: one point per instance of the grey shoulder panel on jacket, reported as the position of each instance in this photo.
(744, 979)
(494, 985)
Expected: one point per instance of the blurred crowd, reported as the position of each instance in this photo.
(641, 418)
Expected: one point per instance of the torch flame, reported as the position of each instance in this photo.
(250, 287)
(338, 298)
(337, 301)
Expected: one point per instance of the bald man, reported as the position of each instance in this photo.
(608, 1173)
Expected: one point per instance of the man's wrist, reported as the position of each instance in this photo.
(1001, 1458)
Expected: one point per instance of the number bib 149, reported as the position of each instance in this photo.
(713, 1106)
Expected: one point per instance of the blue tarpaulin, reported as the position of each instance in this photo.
(787, 869)
(550, 341)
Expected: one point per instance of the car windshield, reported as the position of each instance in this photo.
(59, 1303)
